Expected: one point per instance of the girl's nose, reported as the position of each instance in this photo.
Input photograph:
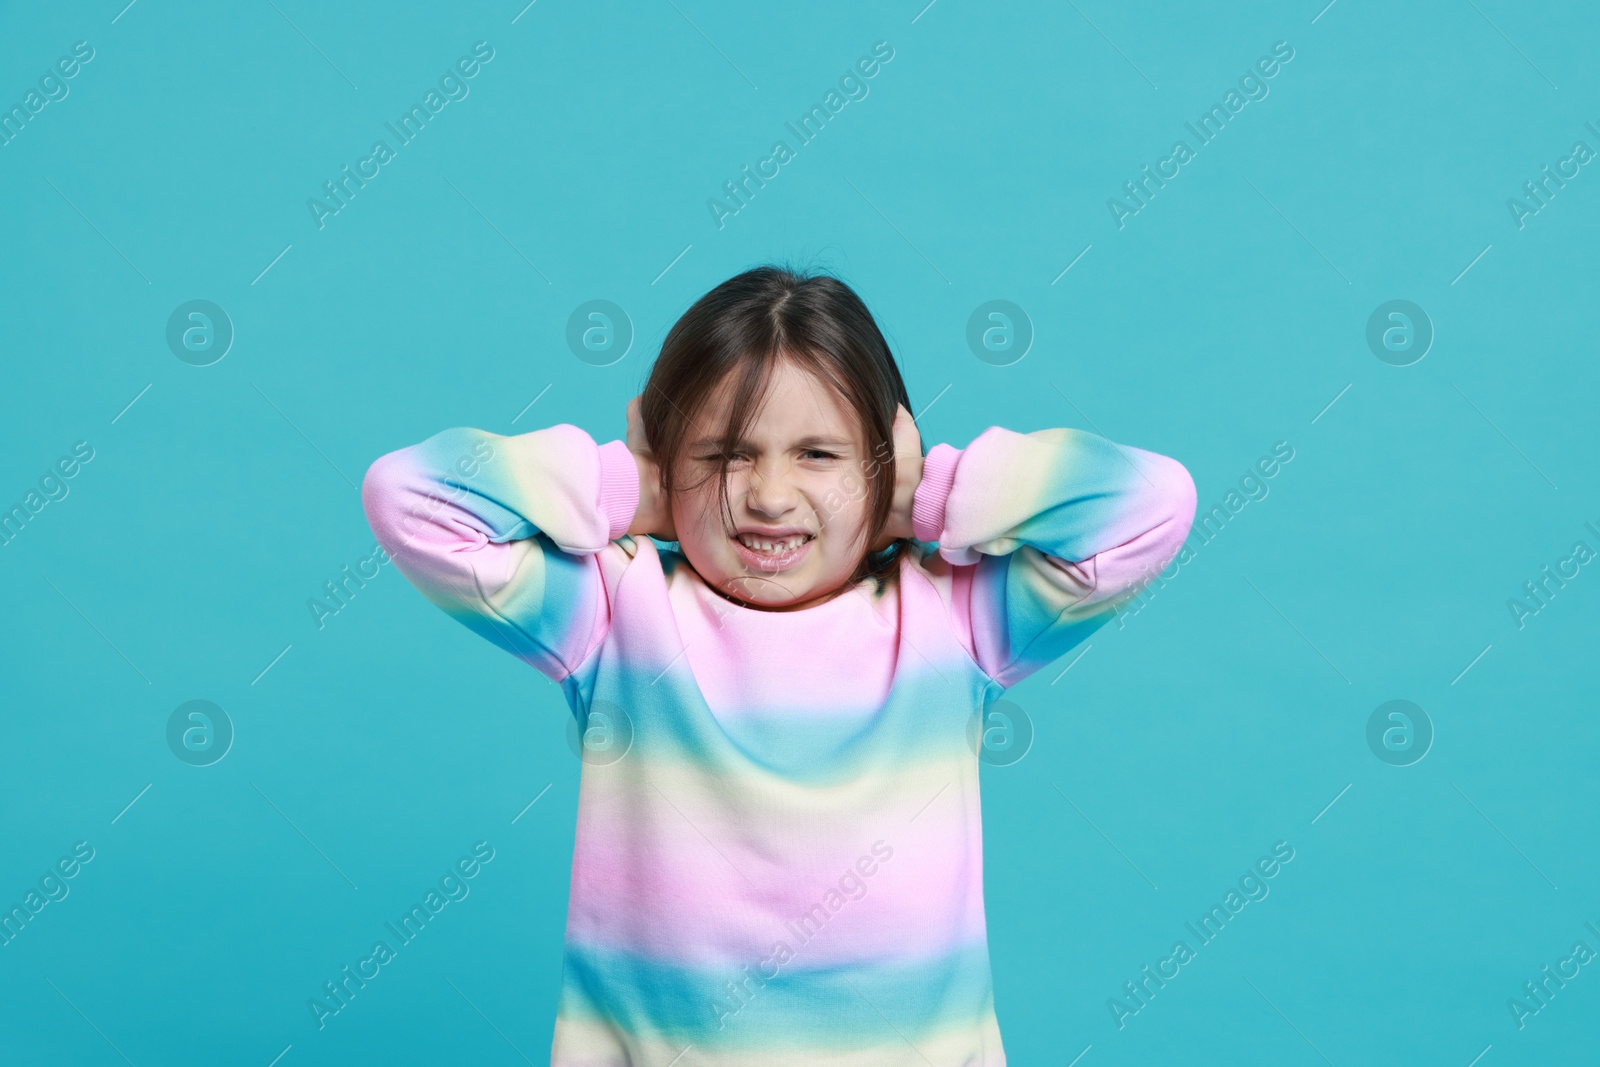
(770, 491)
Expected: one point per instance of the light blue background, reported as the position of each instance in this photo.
(1221, 319)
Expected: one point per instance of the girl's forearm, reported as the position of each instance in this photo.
(473, 520)
(1069, 493)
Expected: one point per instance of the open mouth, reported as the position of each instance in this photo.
(772, 553)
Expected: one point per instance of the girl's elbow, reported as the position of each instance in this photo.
(1172, 508)
(382, 488)
(395, 503)
(1181, 496)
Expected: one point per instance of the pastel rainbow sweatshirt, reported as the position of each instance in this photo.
(779, 854)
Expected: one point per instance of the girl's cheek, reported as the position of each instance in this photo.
(843, 511)
(703, 504)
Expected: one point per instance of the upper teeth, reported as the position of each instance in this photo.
(763, 544)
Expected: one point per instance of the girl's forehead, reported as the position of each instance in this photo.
(798, 405)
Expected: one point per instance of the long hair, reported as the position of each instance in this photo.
(743, 328)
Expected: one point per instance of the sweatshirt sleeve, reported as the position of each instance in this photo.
(504, 533)
(1049, 532)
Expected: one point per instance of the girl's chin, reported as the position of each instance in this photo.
(770, 591)
(784, 593)
(767, 590)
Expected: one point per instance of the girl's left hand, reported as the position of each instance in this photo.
(907, 476)
(653, 516)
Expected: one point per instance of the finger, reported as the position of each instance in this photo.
(909, 436)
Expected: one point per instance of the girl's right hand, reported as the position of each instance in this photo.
(653, 518)
(907, 476)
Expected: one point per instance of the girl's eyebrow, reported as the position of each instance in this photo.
(810, 441)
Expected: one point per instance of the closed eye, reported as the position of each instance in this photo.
(732, 457)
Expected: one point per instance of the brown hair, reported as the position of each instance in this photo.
(743, 328)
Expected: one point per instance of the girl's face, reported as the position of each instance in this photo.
(796, 488)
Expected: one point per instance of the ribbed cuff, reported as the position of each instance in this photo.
(928, 504)
(619, 487)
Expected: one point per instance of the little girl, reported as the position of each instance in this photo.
(779, 853)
